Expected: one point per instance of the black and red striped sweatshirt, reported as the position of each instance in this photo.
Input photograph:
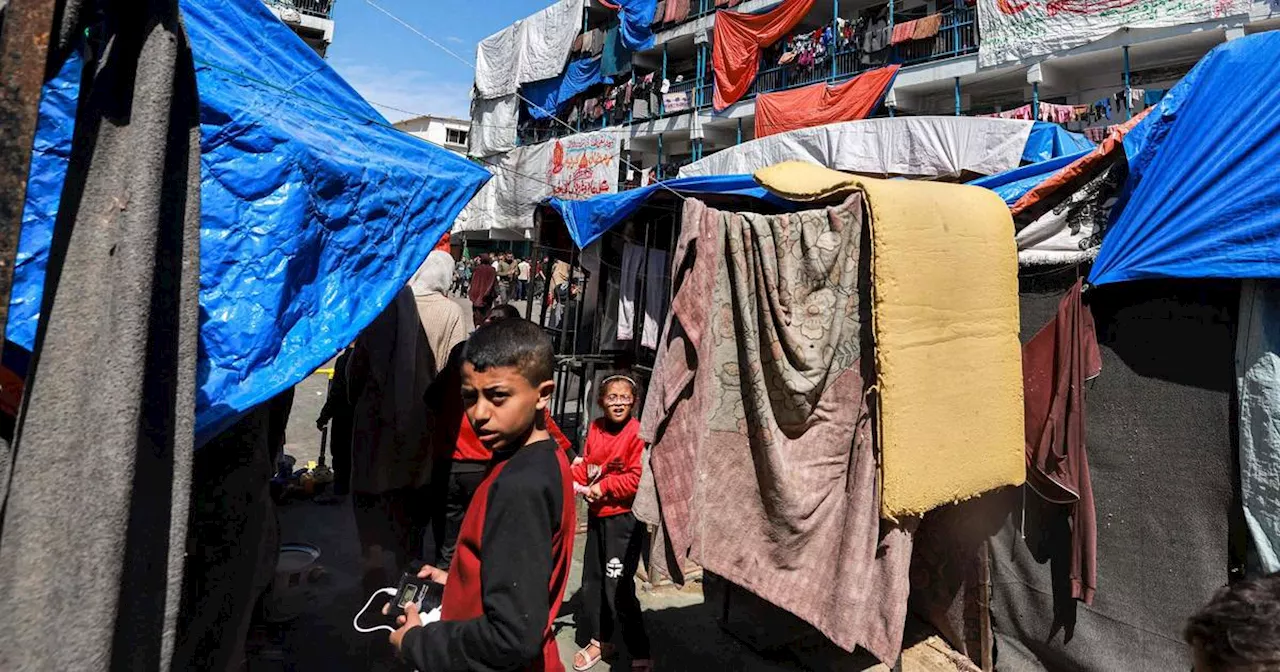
(509, 572)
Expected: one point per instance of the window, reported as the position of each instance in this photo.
(455, 136)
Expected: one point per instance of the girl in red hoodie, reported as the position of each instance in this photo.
(607, 475)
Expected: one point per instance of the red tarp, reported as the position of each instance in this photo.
(738, 39)
(821, 104)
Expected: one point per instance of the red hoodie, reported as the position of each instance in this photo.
(618, 456)
(468, 447)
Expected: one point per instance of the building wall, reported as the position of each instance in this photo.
(448, 133)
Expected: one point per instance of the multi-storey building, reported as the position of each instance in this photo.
(447, 132)
(312, 20)
(939, 76)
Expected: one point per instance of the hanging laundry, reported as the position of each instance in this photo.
(927, 28)
(655, 298)
(676, 102)
(821, 104)
(632, 258)
(1056, 363)
(677, 11)
(1152, 97)
(738, 39)
(659, 11)
(635, 18)
(546, 97)
(616, 57)
(903, 32)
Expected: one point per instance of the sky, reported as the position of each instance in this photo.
(391, 66)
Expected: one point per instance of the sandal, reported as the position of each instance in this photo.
(584, 659)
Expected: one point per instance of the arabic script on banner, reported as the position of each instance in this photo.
(1016, 29)
(583, 166)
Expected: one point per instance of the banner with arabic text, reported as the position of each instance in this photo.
(1018, 29)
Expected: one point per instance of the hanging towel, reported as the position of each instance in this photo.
(903, 32)
(820, 104)
(762, 463)
(1056, 363)
(737, 41)
(942, 313)
(632, 258)
(659, 11)
(657, 286)
(927, 28)
(677, 11)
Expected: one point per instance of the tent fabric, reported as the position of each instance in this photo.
(1194, 206)
(493, 125)
(1049, 140)
(1161, 456)
(821, 104)
(301, 246)
(533, 48)
(615, 59)
(545, 97)
(737, 41)
(1012, 185)
(910, 146)
(636, 19)
(1258, 394)
(588, 219)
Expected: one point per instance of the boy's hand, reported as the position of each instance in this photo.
(434, 574)
(411, 619)
(594, 493)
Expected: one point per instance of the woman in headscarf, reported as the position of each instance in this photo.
(444, 321)
(390, 369)
(484, 284)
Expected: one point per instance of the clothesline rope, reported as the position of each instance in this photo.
(469, 64)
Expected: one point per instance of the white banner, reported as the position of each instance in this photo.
(573, 168)
(1016, 29)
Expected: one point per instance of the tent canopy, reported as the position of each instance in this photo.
(314, 210)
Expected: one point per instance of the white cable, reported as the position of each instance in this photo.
(355, 622)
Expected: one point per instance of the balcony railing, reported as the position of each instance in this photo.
(320, 8)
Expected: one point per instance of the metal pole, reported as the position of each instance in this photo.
(697, 81)
(657, 171)
(835, 34)
(1035, 100)
(1128, 108)
(662, 104)
(24, 62)
(893, 49)
(739, 141)
(957, 96)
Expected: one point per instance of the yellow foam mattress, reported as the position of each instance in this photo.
(948, 360)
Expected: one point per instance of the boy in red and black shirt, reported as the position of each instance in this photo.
(508, 575)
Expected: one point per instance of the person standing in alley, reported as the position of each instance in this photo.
(607, 475)
(524, 271)
(338, 409)
(484, 288)
(442, 320)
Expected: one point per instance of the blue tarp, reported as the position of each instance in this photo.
(1050, 141)
(314, 210)
(616, 57)
(1200, 201)
(1012, 185)
(588, 220)
(546, 96)
(636, 17)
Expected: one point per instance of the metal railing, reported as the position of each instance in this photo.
(320, 8)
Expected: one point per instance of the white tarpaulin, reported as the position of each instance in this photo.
(1016, 29)
(909, 146)
(493, 125)
(573, 168)
(531, 49)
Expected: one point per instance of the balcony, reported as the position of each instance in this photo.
(318, 8)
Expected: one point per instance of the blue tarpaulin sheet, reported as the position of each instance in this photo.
(314, 210)
(588, 220)
(1050, 141)
(1199, 201)
(636, 17)
(546, 96)
(1012, 185)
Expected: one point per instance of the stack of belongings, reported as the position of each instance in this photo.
(824, 379)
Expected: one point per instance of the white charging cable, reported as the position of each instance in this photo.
(429, 617)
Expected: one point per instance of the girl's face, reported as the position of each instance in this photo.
(618, 401)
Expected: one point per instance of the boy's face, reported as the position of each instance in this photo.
(502, 404)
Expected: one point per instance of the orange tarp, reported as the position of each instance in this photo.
(821, 104)
(738, 39)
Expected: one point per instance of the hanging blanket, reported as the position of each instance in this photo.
(762, 458)
(820, 104)
(737, 41)
(635, 17)
(676, 11)
(546, 97)
(533, 48)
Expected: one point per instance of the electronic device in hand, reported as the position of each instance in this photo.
(426, 593)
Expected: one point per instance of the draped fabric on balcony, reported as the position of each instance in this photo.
(636, 17)
(738, 39)
(821, 104)
(546, 97)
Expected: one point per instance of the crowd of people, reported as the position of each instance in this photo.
(445, 447)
